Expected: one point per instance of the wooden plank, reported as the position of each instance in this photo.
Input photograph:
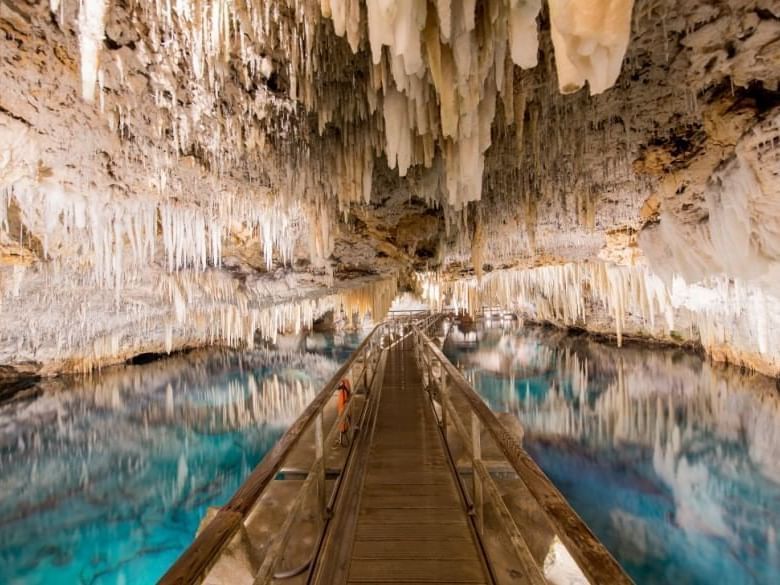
(412, 549)
(411, 468)
(410, 516)
(420, 461)
(411, 502)
(409, 456)
(405, 582)
(411, 525)
(416, 447)
(407, 477)
(394, 440)
(419, 570)
(432, 490)
(405, 442)
(418, 450)
(371, 531)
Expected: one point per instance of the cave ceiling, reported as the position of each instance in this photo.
(274, 150)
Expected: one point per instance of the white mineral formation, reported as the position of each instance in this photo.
(92, 15)
(590, 39)
(730, 319)
(174, 174)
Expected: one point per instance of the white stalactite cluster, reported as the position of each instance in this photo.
(433, 77)
(121, 236)
(738, 231)
(190, 309)
(443, 70)
(732, 320)
(563, 294)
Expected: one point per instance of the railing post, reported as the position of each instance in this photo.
(366, 361)
(476, 456)
(443, 397)
(430, 369)
(319, 458)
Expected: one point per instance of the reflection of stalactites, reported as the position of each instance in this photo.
(279, 401)
(169, 406)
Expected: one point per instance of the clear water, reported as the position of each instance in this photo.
(105, 480)
(673, 462)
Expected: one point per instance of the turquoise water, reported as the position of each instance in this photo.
(673, 462)
(105, 479)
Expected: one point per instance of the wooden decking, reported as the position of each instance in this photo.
(412, 526)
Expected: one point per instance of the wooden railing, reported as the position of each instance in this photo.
(396, 313)
(593, 559)
(194, 564)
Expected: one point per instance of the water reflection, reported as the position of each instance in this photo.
(672, 461)
(105, 479)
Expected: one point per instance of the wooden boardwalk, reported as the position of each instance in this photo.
(395, 511)
(411, 526)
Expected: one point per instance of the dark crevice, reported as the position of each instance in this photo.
(12, 387)
(113, 45)
(16, 117)
(153, 356)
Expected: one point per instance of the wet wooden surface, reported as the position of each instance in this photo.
(411, 526)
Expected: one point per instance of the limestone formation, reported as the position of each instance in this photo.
(195, 172)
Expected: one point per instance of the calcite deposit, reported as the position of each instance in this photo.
(179, 174)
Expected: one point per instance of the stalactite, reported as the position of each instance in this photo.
(197, 308)
(590, 39)
(92, 16)
(599, 295)
(434, 75)
(262, 124)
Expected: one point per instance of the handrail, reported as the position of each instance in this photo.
(195, 562)
(595, 561)
(409, 312)
(352, 470)
(267, 572)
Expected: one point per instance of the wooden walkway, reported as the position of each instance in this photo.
(412, 526)
(395, 512)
